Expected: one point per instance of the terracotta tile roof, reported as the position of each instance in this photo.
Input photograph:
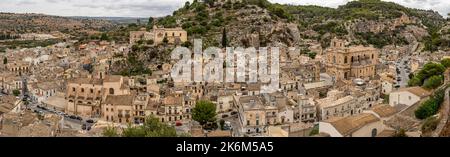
(348, 125)
(119, 99)
(418, 91)
(384, 110)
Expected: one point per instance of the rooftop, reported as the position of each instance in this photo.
(337, 102)
(316, 85)
(119, 99)
(348, 125)
(418, 91)
(384, 110)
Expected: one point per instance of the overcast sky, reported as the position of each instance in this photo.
(146, 8)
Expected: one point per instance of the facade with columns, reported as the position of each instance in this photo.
(346, 63)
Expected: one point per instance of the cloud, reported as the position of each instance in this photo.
(146, 8)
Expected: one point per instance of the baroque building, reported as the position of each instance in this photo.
(346, 63)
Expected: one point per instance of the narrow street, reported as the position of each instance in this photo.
(404, 71)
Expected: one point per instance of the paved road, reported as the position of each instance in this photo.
(234, 120)
(445, 109)
(403, 74)
(71, 123)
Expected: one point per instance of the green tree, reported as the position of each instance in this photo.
(16, 92)
(165, 40)
(222, 124)
(446, 62)
(414, 82)
(411, 75)
(110, 132)
(386, 98)
(426, 109)
(430, 69)
(187, 5)
(104, 37)
(314, 131)
(134, 131)
(312, 55)
(151, 128)
(433, 82)
(150, 23)
(204, 112)
(400, 133)
(187, 44)
(224, 38)
(5, 60)
(150, 42)
(430, 124)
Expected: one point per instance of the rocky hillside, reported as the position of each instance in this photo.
(261, 23)
(258, 23)
(37, 23)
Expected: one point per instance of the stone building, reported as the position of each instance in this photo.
(254, 115)
(84, 95)
(338, 104)
(345, 63)
(173, 35)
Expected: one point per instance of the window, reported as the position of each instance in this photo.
(111, 91)
(248, 122)
(73, 89)
(345, 60)
(82, 90)
(92, 90)
(374, 132)
(257, 122)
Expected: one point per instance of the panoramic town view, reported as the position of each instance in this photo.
(225, 68)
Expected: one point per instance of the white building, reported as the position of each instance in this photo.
(42, 91)
(387, 83)
(224, 103)
(361, 125)
(408, 96)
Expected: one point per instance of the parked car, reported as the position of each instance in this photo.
(225, 116)
(90, 121)
(79, 118)
(73, 117)
(234, 113)
(86, 127)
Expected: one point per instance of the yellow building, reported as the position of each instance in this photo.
(85, 95)
(345, 63)
(173, 35)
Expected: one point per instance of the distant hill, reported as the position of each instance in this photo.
(117, 20)
(12, 23)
